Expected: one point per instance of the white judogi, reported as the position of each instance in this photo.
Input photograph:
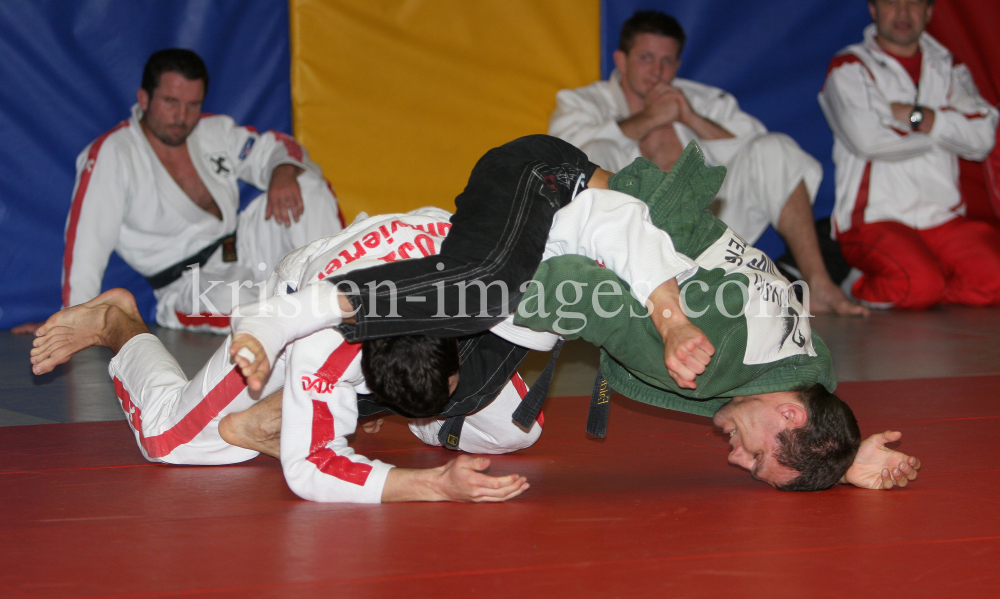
(176, 420)
(906, 177)
(763, 168)
(126, 201)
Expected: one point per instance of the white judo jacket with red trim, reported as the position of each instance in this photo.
(323, 372)
(126, 201)
(885, 172)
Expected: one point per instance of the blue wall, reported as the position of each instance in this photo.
(70, 71)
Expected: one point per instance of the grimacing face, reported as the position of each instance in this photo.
(752, 423)
(652, 59)
(174, 108)
(900, 22)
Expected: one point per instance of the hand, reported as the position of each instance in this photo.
(669, 93)
(461, 479)
(877, 467)
(686, 353)
(284, 196)
(662, 105)
(686, 349)
(373, 426)
(255, 371)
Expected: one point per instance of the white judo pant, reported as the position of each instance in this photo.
(203, 298)
(759, 180)
(176, 420)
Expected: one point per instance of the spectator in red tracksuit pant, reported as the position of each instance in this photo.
(902, 113)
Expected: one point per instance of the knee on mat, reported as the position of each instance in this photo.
(510, 439)
(982, 287)
(924, 288)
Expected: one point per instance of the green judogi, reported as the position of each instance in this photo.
(759, 349)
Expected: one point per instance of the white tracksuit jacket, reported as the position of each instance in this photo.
(899, 175)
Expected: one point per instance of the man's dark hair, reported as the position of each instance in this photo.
(823, 448)
(929, 2)
(410, 373)
(650, 21)
(173, 60)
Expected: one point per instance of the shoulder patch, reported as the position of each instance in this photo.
(247, 147)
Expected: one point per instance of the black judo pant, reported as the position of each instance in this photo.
(499, 230)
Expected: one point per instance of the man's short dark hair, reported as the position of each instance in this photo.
(823, 448)
(650, 21)
(410, 373)
(173, 60)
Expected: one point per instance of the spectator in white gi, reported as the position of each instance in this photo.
(644, 110)
(161, 189)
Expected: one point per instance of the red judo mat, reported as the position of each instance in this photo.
(653, 510)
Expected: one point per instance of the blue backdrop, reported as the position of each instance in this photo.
(771, 55)
(70, 71)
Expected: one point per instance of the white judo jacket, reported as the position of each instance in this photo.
(124, 199)
(885, 172)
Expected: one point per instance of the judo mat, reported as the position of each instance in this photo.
(651, 510)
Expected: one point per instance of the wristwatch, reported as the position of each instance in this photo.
(916, 117)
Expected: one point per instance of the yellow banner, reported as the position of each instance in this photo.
(397, 99)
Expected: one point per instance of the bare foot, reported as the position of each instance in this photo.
(27, 328)
(827, 298)
(108, 320)
(256, 429)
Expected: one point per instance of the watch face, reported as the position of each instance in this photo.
(916, 115)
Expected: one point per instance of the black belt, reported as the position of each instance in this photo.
(531, 405)
(172, 273)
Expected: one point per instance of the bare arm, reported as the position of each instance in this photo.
(704, 128)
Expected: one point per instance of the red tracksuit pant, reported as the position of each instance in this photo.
(954, 263)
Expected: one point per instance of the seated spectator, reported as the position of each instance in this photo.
(161, 189)
(902, 113)
(644, 110)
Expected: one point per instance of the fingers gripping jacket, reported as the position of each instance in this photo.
(282, 319)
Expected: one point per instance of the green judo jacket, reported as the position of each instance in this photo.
(735, 297)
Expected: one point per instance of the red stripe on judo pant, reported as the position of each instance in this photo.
(193, 423)
(219, 321)
(327, 459)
